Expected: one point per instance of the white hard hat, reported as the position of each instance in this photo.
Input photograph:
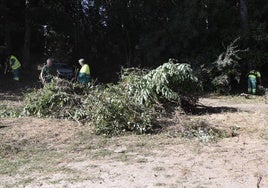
(81, 60)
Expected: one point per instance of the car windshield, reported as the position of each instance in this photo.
(62, 66)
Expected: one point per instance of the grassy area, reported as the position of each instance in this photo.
(29, 154)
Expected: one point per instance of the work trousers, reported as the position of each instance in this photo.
(252, 85)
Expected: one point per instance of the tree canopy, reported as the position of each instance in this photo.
(145, 33)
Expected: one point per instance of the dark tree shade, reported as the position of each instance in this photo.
(115, 33)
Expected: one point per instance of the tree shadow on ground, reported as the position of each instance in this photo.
(9, 87)
(15, 97)
(2, 127)
(203, 110)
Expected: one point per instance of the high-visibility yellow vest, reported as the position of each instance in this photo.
(16, 64)
(85, 69)
(254, 74)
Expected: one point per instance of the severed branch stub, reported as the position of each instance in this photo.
(259, 181)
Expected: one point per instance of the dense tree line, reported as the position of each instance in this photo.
(115, 33)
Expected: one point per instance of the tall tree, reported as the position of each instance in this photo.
(27, 34)
(244, 16)
(5, 25)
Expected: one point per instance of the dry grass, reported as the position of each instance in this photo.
(52, 153)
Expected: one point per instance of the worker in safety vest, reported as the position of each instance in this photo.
(15, 66)
(84, 73)
(254, 78)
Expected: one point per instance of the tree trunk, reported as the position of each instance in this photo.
(7, 35)
(7, 38)
(244, 16)
(27, 35)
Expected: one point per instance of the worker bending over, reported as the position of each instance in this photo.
(254, 78)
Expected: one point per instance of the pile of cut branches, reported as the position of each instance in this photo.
(133, 104)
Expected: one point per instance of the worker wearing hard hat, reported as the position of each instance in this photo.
(84, 73)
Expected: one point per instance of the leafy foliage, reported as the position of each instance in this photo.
(58, 46)
(59, 99)
(114, 111)
(134, 104)
(6, 112)
(111, 34)
(168, 82)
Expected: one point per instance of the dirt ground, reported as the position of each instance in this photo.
(55, 153)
